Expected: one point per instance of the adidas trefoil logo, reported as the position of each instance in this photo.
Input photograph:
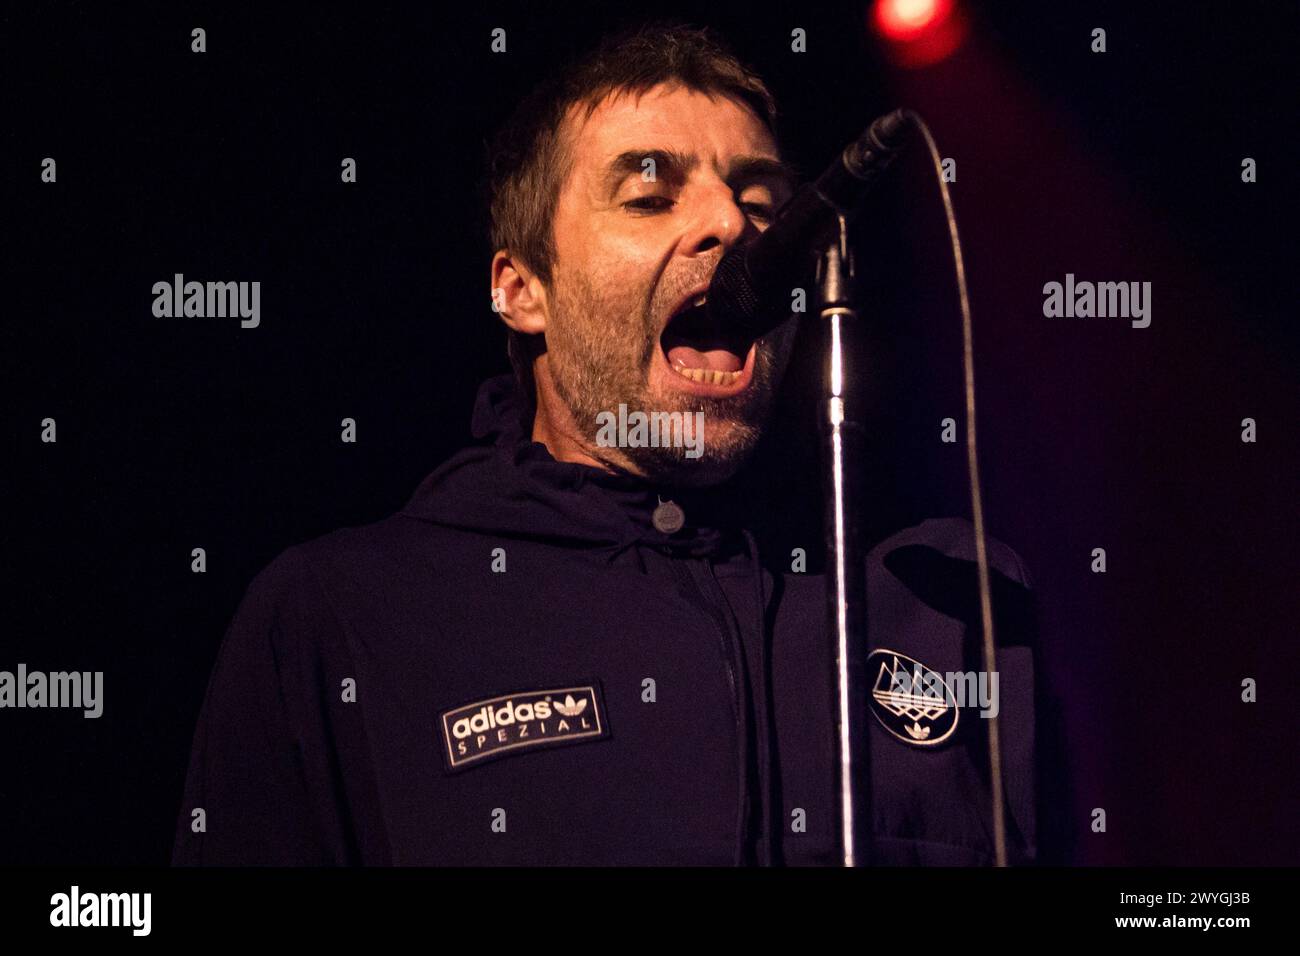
(571, 707)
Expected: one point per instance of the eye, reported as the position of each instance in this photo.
(758, 210)
(649, 204)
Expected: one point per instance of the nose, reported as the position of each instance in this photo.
(718, 221)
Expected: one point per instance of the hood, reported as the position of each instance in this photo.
(510, 486)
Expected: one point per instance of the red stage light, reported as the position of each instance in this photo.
(908, 19)
(918, 32)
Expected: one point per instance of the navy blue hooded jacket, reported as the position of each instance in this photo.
(518, 668)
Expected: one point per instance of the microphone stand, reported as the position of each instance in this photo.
(843, 437)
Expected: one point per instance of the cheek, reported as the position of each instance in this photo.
(610, 268)
(617, 282)
(623, 259)
(599, 246)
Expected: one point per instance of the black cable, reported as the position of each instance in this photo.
(977, 503)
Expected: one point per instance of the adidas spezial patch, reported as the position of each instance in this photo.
(512, 723)
(911, 701)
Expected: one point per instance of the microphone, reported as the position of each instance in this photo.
(750, 290)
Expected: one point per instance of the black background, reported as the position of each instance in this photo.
(183, 433)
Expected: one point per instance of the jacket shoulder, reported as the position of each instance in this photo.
(307, 571)
(954, 538)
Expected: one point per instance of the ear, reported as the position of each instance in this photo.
(518, 294)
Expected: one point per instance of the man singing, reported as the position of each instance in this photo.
(570, 647)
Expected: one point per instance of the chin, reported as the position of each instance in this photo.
(670, 466)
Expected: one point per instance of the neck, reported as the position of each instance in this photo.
(553, 424)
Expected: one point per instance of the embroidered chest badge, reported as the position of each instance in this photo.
(511, 723)
(911, 701)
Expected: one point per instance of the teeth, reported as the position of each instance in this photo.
(709, 376)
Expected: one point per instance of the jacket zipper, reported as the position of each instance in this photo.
(737, 706)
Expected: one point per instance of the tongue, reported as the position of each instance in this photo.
(720, 360)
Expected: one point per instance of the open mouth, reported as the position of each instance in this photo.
(701, 351)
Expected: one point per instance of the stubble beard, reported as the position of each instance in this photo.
(596, 367)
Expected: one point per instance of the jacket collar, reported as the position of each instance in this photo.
(507, 484)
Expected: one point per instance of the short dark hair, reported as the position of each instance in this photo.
(528, 161)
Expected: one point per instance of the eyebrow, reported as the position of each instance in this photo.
(674, 167)
(749, 168)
